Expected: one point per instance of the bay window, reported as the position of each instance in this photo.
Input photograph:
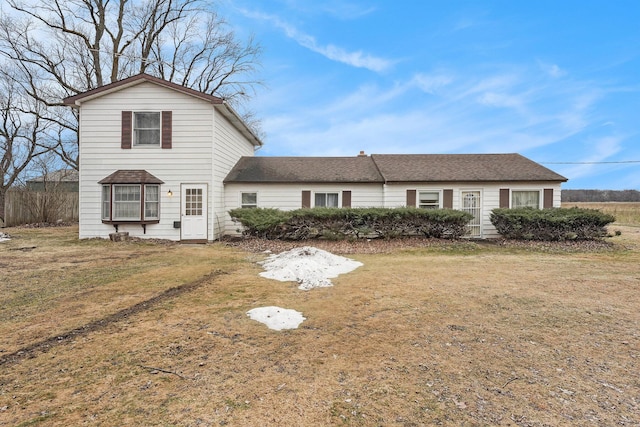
(130, 202)
(151, 202)
(130, 197)
(106, 202)
(126, 202)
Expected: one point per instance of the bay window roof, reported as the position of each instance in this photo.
(131, 177)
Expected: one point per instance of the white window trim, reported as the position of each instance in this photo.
(144, 203)
(429, 190)
(113, 202)
(338, 192)
(105, 204)
(141, 203)
(248, 191)
(517, 190)
(134, 134)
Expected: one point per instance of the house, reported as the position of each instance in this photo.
(63, 180)
(164, 161)
(476, 183)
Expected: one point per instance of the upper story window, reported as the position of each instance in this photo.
(525, 199)
(326, 200)
(146, 128)
(249, 200)
(429, 199)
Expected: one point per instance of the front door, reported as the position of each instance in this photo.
(471, 203)
(193, 212)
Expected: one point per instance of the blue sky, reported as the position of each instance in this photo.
(556, 81)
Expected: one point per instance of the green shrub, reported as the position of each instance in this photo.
(260, 222)
(350, 223)
(551, 224)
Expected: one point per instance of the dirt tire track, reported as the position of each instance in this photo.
(45, 345)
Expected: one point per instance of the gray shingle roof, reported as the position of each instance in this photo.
(461, 167)
(130, 177)
(391, 168)
(305, 169)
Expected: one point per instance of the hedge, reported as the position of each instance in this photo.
(344, 223)
(551, 224)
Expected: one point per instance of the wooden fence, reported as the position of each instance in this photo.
(26, 207)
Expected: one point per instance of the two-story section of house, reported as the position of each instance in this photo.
(153, 156)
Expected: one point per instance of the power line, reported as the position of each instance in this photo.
(589, 163)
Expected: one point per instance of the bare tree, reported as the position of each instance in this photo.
(47, 198)
(21, 134)
(65, 47)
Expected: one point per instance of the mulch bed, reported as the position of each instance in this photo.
(376, 246)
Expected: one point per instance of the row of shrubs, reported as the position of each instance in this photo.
(551, 224)
(340, 223)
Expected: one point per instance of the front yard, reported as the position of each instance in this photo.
(153, 333)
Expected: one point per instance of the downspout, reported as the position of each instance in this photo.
(214, 135)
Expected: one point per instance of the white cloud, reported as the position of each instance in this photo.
(501, 112)
(552, 70)
(494, 99)
(337, 8)
(358, 59)
(355, 59)
(431, 83)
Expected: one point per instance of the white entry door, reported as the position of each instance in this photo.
(471, 203)
(193, 212)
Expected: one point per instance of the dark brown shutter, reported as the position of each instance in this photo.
(346, 199)
(447, 199)
(411, 198)
(166, 129)
(504, 198)
(125, 140)
(306, 199)
(547, 201)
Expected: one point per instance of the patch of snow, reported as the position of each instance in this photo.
(4, 237)
(277, 318)
(310, 267)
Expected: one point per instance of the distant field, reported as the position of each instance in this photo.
(626, 213)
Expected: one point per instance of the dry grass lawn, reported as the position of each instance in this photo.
(455, 335)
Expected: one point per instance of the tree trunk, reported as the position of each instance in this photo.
(2, 201)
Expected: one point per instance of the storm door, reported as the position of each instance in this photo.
(471, 203)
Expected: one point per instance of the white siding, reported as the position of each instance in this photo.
(189, 159)
(289, 196)
(229, 146)
(396, 196)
